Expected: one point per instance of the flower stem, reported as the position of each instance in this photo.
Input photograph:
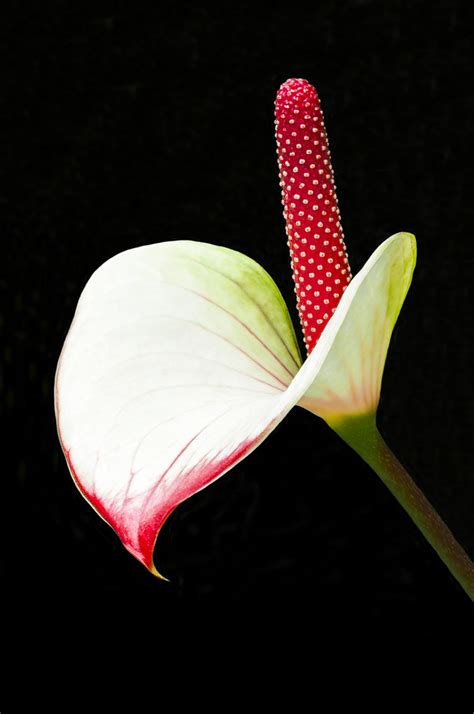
(362, 435)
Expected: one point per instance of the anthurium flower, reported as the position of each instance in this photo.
(182, 358)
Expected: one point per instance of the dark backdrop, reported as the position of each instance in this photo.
(128, 127)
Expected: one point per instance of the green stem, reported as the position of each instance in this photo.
(362, 435)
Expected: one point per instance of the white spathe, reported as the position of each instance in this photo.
(182, 358)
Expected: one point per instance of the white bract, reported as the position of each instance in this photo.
(182, 358)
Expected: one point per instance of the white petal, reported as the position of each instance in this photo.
(176, 366)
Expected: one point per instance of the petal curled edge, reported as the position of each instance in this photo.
(178, 363)
(182, 358)
(349, 359)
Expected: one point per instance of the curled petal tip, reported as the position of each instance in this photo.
(157, 574)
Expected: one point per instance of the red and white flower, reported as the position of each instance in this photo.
(182, 358)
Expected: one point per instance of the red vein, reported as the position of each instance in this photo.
(252, 299)
(240, 322)
(175, 459)
(232, 344)
(116, 365)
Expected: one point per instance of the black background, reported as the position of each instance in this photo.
(132, 126)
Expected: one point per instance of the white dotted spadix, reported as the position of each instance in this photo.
(310, 206)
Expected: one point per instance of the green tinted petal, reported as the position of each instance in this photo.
(349, 358)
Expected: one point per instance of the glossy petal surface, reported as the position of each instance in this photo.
(176, 366)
